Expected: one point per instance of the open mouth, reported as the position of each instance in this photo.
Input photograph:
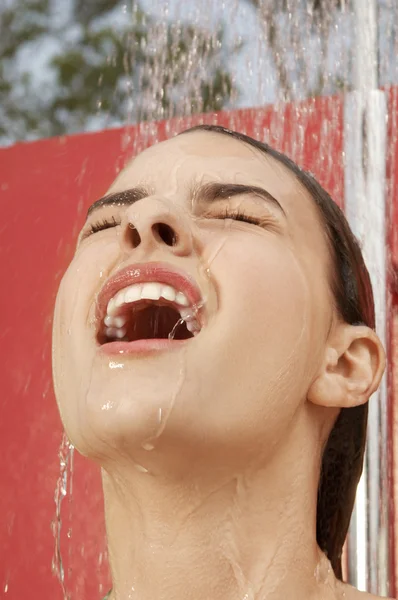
(148, 311)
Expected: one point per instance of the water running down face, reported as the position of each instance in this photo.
(246, 271)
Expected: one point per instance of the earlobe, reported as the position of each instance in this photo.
(352, 368)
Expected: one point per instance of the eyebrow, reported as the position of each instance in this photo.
(211, 192)
(125, 198)
(208, 193)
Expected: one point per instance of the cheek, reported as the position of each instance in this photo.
(74, 328)
(82, 281)
(255, 355)
(268, 283)
(265, 317)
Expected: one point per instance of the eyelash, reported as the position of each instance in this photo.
(104, 224)
(236, 215)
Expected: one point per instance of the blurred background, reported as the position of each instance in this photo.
(83, 65)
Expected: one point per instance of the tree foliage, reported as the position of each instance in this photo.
(102, 66)
(289, 25)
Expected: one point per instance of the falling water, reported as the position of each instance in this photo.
(302, 50)
(264, 52)
(65, 454)
(184, 59)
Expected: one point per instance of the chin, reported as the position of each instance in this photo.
(124, 412)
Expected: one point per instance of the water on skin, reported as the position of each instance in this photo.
(247, 589)
(164, 415)
(257, 75)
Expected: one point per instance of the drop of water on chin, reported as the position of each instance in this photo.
(108, 405)
(148, 446)
(141, 469)
(116, 365)
(163, 418)
(132, 594)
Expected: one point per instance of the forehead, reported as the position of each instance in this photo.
(205, 156)
(171, 168)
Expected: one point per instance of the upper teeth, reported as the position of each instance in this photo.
(115, 322)
(145, 291)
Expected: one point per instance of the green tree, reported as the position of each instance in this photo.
(102, 66)
(290, 26)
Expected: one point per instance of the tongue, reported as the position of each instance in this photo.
(156, 322)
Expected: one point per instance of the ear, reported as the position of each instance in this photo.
(352, 368)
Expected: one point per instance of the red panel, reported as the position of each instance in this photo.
(392, 282)
(392, 178)
(45, 188)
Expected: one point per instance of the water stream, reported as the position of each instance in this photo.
(269, 52)
(182, 59)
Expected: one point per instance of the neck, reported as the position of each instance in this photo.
(247, 535)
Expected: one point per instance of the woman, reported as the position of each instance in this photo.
(214, 352)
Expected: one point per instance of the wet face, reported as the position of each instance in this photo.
(204, 229)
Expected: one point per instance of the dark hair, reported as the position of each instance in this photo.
(342, 459)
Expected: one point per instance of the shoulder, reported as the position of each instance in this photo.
(354, 594)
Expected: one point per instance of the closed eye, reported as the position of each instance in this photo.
(228, 213)
(103, 224)
(237, 215)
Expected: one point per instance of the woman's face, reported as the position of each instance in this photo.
(263, 305)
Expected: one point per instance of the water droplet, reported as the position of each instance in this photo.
(148, 446)
(108, 405)
(141, 469)
(116, 365)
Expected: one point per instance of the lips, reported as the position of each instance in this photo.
(146, 272)
(139, 276)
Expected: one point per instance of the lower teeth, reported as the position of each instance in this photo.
(120, 332)
(115, 332)
(192, 326)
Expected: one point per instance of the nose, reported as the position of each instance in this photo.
(156, 223)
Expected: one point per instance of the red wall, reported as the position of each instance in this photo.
(45, 188)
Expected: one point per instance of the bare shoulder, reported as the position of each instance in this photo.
(354, 594)
(365, 596)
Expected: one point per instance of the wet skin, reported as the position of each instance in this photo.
(245, 406)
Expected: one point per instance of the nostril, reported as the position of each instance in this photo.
(165, 233)
(134, 236)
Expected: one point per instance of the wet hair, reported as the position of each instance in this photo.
(343, 454)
